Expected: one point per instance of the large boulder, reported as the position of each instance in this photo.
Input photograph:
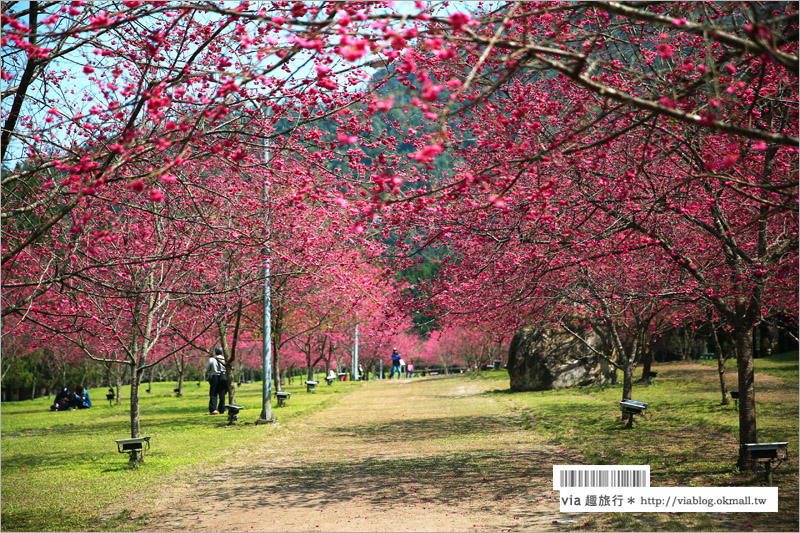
(543, 359)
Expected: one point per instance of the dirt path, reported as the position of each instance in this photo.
(390, 456)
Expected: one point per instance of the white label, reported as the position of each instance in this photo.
(670, 499)
(611, 476)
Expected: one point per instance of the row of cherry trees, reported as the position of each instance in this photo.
(659, 187)
(630, 166)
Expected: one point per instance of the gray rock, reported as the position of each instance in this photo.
(544, 359)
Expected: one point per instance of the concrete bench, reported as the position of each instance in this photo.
(630, 408)
(735, 396)
(233, 412)
(765, 455)
(135, 447)
(282, 397)
(311, 386)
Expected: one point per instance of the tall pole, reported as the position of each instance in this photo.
(266, 393)
(356, 377)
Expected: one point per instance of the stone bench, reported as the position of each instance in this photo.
(735, 396)
(765, 455)
(135, 447)
(630, 408)
(233, 412)
(282, 397)
(311, 386)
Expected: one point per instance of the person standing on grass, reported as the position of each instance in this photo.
(410, 370)
(218, 382)
(395, 364)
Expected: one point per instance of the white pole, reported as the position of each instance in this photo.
(356, 377)
(266, 393)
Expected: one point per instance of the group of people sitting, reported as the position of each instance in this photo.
(67, 400)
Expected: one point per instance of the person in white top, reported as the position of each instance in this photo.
(217, 381)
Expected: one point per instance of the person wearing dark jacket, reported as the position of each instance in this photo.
(63, 400)
(395, 363)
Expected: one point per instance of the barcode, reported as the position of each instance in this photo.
(574, 476)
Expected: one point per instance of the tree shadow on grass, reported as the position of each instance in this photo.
(441, 479)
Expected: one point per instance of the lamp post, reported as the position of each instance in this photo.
(356, 377)
(266, 393)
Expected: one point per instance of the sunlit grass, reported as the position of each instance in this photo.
(61, 469)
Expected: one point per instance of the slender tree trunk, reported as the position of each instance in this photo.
(720, 366)
(309, 366)
(119, 387)
(276, 368)
(747, 396)
(232, 357)
(647, 361)
(136, 376)
(180, 365)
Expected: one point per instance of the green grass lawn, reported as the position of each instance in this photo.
(61, 470)
(686, 437)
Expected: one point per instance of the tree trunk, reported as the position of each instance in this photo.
(647, 362)
(747, 396)
(180, 365)
(276, 368)
(309, 366)
(119, 387)
(627, 379)
(136, 376)
(720, 366)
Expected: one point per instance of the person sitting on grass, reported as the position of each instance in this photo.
(63, 400)
(81, 398)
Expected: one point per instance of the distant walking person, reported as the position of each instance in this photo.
(410, 370)
(218, 382)
(395, 364)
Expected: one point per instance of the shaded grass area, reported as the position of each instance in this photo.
(61, 470)
(686, 437)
